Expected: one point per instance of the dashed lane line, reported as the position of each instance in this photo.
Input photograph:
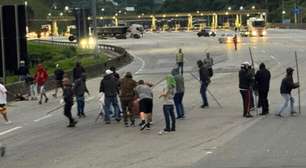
(10, 130)
(43, 118)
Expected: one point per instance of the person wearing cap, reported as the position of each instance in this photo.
(80, 89)
(205, 80)
(262, 82)
(58, 76)
(180, 61)
(127, 93)
(109, 86)
(285, 90)
(245, 82)
(68, 99)
(209, 62)
(23, 71)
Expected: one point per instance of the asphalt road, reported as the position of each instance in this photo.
(215, 137)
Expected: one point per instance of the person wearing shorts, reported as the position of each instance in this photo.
(145, 95)
(3, 101)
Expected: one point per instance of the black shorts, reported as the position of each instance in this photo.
(146, 105)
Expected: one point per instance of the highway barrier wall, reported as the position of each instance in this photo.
(119, 57)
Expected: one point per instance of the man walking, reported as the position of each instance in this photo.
(209, 62)
(109, 86)
(68, 99)
(58, 75)
(245, 81)
(41, 77)
(78, 70)
(23, 71)
(286, 87)
(127, 93)
(79, 90)
(205, 80)
(180, 60)
(262, 79)
(178, 97)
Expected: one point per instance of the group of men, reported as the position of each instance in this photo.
(251, 84)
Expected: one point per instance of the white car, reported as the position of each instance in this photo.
(228, 38)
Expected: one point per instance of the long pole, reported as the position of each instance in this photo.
(94, 25)
(253, 69)
(298, 80)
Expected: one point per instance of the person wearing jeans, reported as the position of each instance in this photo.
(178, 97)
(111, 101)
(79, 90)
(109, 86)
(286, 87)
(180, 60)
(168, 106)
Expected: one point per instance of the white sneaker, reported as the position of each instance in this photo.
(8, 122)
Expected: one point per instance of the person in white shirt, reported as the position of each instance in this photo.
(3, 102)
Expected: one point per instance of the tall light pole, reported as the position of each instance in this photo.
(295, 12)
(94, 24)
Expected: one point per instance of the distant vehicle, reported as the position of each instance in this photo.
(228, 38)
(136, 31)
(244, 33)
(256, 27)
(206, 33)
(119, 32)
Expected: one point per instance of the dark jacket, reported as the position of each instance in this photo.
(245, 79)
(109, 85)
(127, 86)
(262, 79)
(80, 87)
(59, 74)
(68, 95)
(287, 85)
(23, 70)
(78, 72)
(204, 75)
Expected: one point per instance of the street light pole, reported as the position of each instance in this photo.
(94, 24)
(295, 12)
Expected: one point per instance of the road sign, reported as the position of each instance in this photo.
(296, 10)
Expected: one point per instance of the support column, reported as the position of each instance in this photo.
(54, 28)
(116, 21)
(153, 26)
(190, 25)
(237, 21)
(216, 21)
(212, 21)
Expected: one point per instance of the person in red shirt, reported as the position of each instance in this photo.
(41, 76)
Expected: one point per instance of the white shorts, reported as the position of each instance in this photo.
(42, 89)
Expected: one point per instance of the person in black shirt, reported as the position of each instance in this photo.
(262, 82)
(286, 87)
(58, 75)
(245, 82)
(68, 99)
(78, 71)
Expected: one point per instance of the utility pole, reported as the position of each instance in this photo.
(295, 12)
(94, 24)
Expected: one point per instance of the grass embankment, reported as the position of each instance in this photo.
(66, 56)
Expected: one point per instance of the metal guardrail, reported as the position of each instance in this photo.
(75, 44)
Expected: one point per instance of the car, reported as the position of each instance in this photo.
(244, 33)
(206, 33)
(228, 38)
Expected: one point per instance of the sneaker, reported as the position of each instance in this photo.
(107, 122)
(54, 95)
(46, 100)
(278, 115)
(2, 151)
(83, 115)
(249, 116)
(118, 119)
(132, 124)
(204, 106)
(8, 122)
(162, 132)
(143, 126)
(148, 126)
(39, 102)
(140, 124)
(126, 124)
(72, 124)
(172, 130)
(293, 113)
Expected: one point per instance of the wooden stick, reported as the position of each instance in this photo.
(298, 79)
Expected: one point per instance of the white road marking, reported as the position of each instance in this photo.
(43, 118)
(10, 130)
(209, 152)
(142, 64)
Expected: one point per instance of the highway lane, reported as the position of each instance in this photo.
(47, 143)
